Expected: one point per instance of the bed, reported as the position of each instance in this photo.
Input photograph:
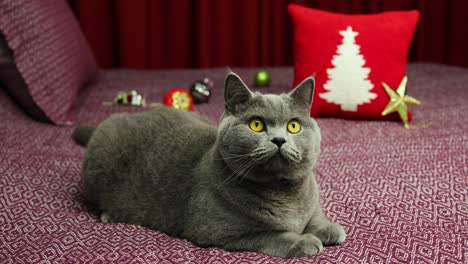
(402, 195)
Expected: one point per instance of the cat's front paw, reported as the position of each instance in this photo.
(332, 234)
(307, 245)
(105, 218)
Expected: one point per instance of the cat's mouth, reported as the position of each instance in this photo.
(267, 159)
(277, 166)
(284, 155)
(268, 164)
(266, 156)
(277, 160)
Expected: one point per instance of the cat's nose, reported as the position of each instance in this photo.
(279, 141)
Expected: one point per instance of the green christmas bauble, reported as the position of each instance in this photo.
(262, 79)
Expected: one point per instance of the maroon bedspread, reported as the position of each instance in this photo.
(400, 194)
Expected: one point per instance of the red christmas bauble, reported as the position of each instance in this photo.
(178, 98)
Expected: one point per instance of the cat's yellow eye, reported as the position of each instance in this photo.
(257, 125)
(294, 126)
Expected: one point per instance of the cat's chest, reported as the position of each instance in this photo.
(291, 215)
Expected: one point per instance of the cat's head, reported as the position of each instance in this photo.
(268, 137)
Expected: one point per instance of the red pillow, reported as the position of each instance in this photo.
(50, 53)
(351, 55)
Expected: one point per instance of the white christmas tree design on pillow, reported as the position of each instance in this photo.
(347, 83)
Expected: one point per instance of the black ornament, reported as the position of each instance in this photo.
(201, 90)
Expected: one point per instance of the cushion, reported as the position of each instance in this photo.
(50, 54)
(10, 77)
(351, 55)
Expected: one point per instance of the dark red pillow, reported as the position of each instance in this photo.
(10, 77)
(50, 54)
(351, 55)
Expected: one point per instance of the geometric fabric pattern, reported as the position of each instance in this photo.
(401, 195)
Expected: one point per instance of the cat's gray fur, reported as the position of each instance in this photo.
(229, 186)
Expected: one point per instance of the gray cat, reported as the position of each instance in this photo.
(246, 185)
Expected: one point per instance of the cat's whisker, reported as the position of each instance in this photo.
(234, 154)
(242, 167)
(294, 155)
(245, 162)
(241, 160)
(226, 181)
(246, 173)
(263, 154)
(234, 172)
(228, 155)
(234, 157)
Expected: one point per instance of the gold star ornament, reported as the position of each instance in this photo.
(399, 102)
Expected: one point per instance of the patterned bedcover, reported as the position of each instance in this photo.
(402, 195)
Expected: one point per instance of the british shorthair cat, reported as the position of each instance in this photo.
(247, 184)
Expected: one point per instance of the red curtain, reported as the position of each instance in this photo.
(149, 34)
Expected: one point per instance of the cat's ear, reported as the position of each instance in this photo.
(236, 93)
(304, 92)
